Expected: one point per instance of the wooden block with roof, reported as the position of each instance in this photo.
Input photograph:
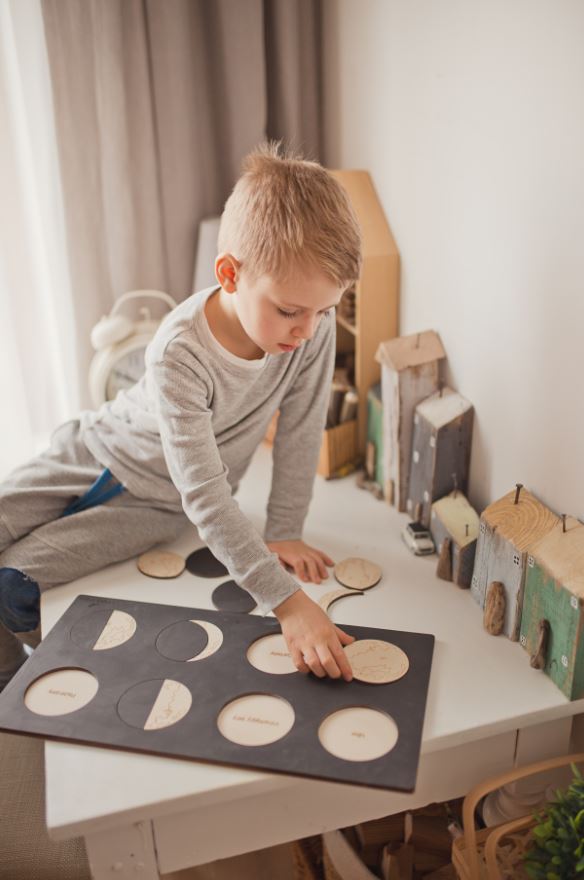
(508, 529)
(554, 591)
(441, 443)
(454, 524)
(409, 374)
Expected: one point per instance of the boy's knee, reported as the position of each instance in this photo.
(19, 600)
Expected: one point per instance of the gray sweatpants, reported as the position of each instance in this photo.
(52, 550)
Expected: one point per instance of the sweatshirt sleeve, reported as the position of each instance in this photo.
(299, 437)
(182, 393)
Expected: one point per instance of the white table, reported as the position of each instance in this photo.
(142, 815)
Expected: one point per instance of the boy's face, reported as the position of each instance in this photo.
(278, 316)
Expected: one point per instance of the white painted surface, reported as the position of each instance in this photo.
(480, 687)
(468, 116)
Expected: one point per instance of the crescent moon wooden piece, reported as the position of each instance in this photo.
(215, 637)
(327, 600)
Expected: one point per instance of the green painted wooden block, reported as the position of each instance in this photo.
(554, 591)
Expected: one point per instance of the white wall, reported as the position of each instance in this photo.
(469, 116)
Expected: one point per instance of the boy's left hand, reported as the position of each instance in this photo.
(308, 563)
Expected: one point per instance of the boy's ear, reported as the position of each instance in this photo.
(226, 272)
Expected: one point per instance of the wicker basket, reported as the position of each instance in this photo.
(497, 853)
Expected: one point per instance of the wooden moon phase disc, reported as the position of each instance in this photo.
(328, 598)
(103, 629)
(214, 636)
(376, 662)
(182, 641)
(357, 573)
(357, 733)
(160, 564)
(204, 564)
(154, 704)
(271, 654)
(61, 692)
(229, 596)
(256, 719)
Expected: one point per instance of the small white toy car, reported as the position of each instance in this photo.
(418, 539)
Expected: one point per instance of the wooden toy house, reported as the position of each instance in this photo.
(441, 444)
(454, 524)
(554, 592)
(367, 314)
(508, 529)
(409, 374)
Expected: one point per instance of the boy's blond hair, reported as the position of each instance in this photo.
(287, 214)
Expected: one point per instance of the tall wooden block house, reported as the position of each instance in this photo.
(456, 522)
(509, 528)
(554, 591)
(441, 445)
(409, 374)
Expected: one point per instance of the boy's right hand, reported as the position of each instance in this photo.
(314, 641)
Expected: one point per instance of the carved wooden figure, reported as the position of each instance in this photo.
(440, 450)
(508, 528)
(554, 600)
(409, 373)
(455, 528)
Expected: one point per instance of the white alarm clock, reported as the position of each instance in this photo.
(120, 343)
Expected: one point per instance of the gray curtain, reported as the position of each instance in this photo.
(156, 102)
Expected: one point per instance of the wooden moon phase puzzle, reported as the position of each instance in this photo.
(357, 573)
(161, 564)
(221, 687)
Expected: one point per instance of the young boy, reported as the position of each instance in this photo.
(118, 481)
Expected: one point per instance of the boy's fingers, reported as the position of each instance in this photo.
(343, 663)
(328, 662)
(322, 570)
(313, 572)
(344, 638)
(298, 661)
(300, 569)
(312, 660)
(327, 559)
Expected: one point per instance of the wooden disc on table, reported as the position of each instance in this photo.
(357, 574)
(203, 563)
(160, 564)
(376, 662)
(229, 596)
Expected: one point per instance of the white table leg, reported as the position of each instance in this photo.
(534, 743)
(123, 853)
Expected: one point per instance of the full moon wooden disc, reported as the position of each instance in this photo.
(358, 734)
(203, 563)
(160, 564)
(271, 654)
(376, 662)
(61, 692)
(256, 719)
(357, 573)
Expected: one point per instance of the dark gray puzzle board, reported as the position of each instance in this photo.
(213, 682)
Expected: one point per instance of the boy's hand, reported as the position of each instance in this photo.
(308, 563)
(314, 641)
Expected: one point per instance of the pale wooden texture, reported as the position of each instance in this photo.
(339, 447)
(376, 662)
(327, 600)
(554, 591)
(357, 573)
(377, 291)
(440, 450)
(401, 393)
(454, 518)
(161, 564)
(468, 850)
(506, 531)
(494, 612)
(410, 351)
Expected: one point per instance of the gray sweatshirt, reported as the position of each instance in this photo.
(185, 433)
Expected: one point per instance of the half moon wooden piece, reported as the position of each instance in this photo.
(327, 600)
(357, 573)
(119, 628)
(161, 564)
(376, 662)
(172, 703)
(215, 637)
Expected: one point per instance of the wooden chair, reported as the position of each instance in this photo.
(497, 853)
